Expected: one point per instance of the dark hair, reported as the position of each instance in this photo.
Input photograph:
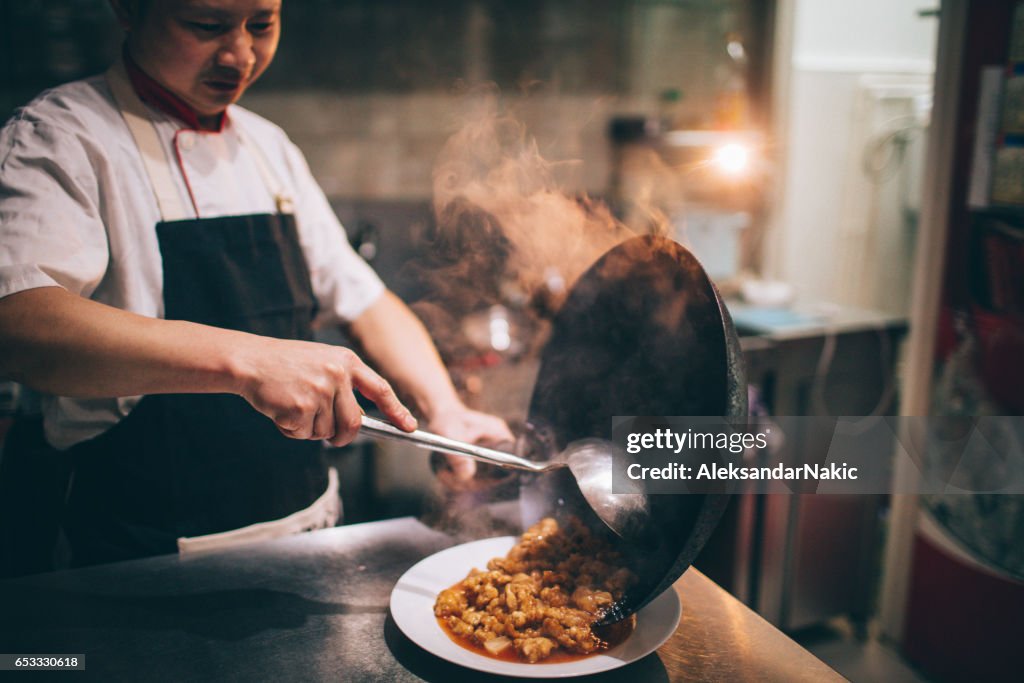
(136, 8)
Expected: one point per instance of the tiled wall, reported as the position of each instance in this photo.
(384, 146)
(366, 87)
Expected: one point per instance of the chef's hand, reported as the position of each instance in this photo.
(306, 389)
(471, 426)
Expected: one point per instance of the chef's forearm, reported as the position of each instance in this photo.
(59, 343)
(398, 344)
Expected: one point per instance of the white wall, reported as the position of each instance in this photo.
(886, 33)
(836, 46)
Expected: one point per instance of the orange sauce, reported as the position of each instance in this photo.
(612, 634)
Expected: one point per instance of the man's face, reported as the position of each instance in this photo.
(207, 52)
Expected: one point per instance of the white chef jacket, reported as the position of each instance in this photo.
(77, 211)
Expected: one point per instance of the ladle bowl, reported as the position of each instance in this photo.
(591, 462)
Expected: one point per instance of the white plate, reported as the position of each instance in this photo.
(412, 606)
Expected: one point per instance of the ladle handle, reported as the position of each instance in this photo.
(385, 430)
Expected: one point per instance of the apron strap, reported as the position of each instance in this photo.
(158, 166)
(282, 199)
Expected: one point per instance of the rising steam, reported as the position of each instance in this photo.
(506, 227)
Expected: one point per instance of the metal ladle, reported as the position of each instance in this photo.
(591, 462)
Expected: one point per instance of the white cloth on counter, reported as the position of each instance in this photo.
(324, 513)
(77, 211)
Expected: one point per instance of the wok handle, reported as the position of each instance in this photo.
(380, 429)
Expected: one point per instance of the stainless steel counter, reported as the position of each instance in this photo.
(315, 608)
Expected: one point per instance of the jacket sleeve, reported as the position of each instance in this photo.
(51, 231)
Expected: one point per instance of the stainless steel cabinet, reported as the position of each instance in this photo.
(801, 559)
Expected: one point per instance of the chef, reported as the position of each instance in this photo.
(164, 258)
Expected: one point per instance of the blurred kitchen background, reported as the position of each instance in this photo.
(864, 223)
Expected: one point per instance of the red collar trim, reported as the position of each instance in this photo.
(156, 95)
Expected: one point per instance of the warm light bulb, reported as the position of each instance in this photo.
(732, 158)
(501, 334)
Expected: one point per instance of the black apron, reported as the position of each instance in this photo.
(195, 464)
